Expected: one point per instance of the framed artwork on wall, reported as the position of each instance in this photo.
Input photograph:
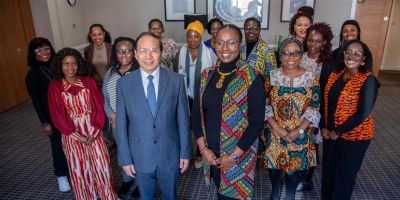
(237, 11)
(289, 8)
(175, 10)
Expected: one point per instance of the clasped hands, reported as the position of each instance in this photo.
(329, 135)
(224, 162)
(288, 136)
(86, 139)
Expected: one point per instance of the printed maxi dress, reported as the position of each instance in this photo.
(290, 100)
(89, 164)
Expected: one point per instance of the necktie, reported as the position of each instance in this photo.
(151, 95)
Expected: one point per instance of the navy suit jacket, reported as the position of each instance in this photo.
(149, 142)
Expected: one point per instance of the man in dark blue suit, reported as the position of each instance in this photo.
(153, 133)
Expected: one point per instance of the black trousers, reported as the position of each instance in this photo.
(291, 182)
(59, 161)
(341, 162)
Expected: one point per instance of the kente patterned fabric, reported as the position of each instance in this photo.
(347, 106)
(261, 57)
(290, 100)
(237, 182)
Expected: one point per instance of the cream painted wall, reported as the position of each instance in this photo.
(391, 58)
(41, 20)
(130, 18)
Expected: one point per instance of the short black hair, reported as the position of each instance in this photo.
(156, 20)
(56, 66)
(33, 45)
(209, 24)
(252, 19)
(107, 36)
(114, 59)
(233, 27)
(368, 61)
(290, 40)
(151, 35)
(350, 22)
(293, 21)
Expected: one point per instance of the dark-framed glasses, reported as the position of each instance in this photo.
(356, 54)
(42, 50)
(231, 43)
(148, 50)
(124, 51)
(156, 28)
(251, 28)
(294, 54)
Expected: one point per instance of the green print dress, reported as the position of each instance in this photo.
(290, 100)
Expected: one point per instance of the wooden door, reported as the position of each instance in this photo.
(371, 16)
(16, 30)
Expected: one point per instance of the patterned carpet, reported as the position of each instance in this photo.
(26, 170)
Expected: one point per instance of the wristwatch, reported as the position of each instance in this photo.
(301, 131)
(235, 157)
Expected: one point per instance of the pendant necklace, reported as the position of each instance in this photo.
(222, 77)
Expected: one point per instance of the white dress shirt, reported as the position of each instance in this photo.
(145, 80)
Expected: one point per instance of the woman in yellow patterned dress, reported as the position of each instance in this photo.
(293, 103)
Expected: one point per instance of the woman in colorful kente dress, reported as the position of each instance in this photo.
(292, 108)
(228, 117)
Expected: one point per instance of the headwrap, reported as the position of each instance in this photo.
(196, 26)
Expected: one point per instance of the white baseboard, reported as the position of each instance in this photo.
(395, 68)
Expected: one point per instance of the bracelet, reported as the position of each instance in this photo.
(202, 149)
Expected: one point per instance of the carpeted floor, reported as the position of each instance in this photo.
(26, 170)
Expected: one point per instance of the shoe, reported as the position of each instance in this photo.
(124, 189)
(136, 192)
(308, 185)
(63, 184)
(197, 163)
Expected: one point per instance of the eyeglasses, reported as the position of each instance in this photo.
(156, 28)
(121, 52)
(42, 50)
(148, 50)
(72, 64)
(251, 28)
(231, 43)
(358, 55)
(294, 54)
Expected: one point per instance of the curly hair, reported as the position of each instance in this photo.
(114, 58)
(232, 27)
(33, 45)
(325, 30)
(209, 24)
(368, 61)
(293, 21)
(290, 40)
(107, 36)
(56, 65)
(350, 22)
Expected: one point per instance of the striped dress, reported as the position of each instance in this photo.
(89, 164)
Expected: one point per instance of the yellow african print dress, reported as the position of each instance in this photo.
(290, 100)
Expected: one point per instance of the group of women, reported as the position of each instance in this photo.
(315, 96)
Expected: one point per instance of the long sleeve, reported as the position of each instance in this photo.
(59, 116)
(97, 116)
(124, 153)
(33, 86)
(312, 112)
(368, 95)
(195, 118)
(107, 106)
(256, 110)
(184, 123)
(327, 69)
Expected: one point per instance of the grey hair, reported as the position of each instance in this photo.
(289, 40)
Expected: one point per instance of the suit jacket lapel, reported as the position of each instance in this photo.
(162, 87)
(138, 87)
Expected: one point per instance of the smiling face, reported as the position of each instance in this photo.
(251, 31)
(97, 35)
(291, 56)
(193, 39)
(43, 53)
(315, 42)
(349, 32)
(354, 56)
(227, 45)
(300, 27)
(148, 53)
(156, 28)
(124, 51)
(69, 67)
